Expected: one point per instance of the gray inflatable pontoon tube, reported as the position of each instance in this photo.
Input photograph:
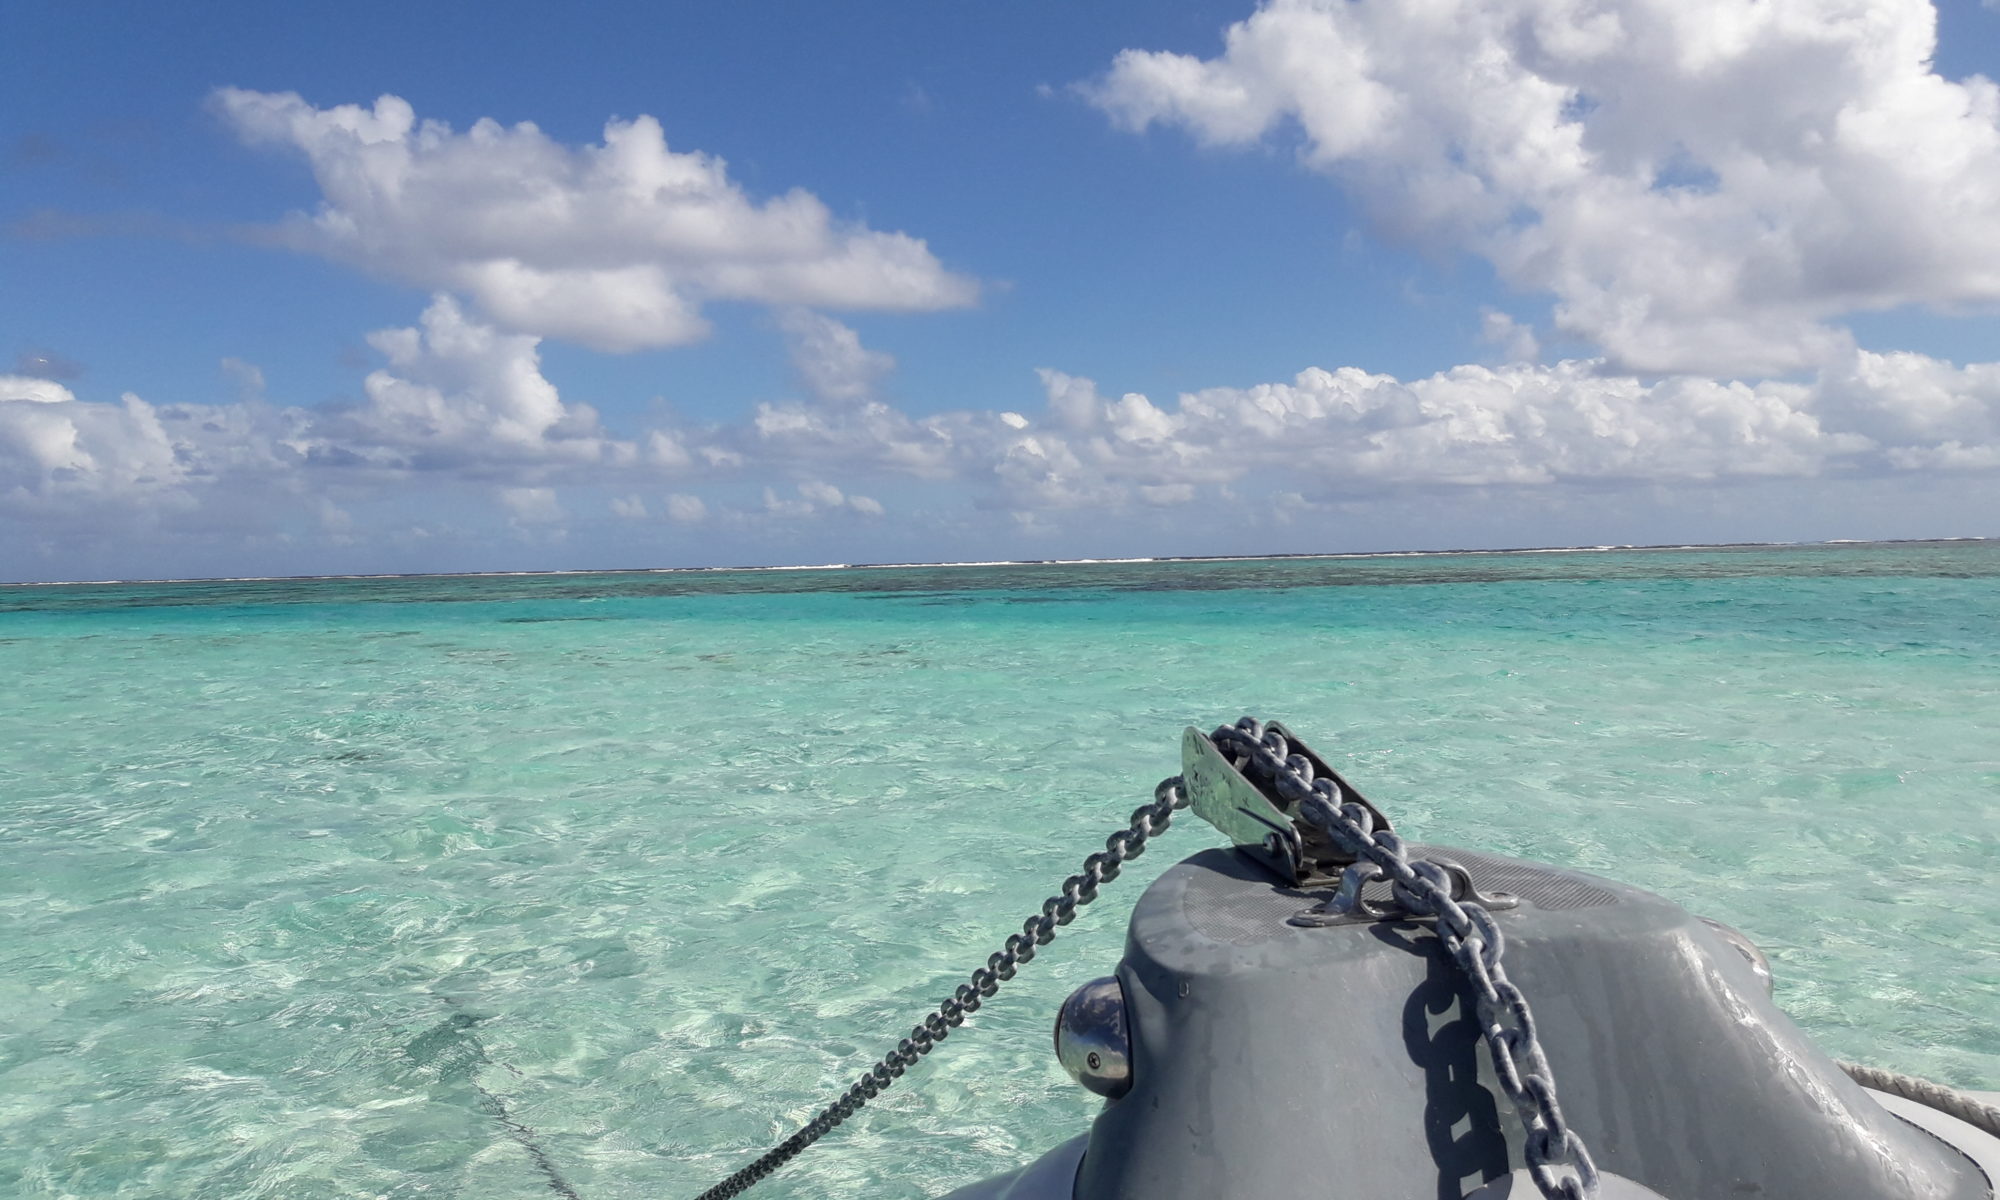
(1269, 1060)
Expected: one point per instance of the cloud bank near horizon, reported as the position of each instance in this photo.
(461, 403)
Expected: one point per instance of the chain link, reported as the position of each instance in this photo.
(1039, 930)
(1556, 1156)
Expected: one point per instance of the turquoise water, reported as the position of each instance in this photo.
(494, 887)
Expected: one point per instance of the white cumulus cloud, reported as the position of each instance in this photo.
(615, 246)
(816, 498)
(33, 389)
(1515, 342)
(684, 509)
(533, 505)
(1355, 433)
(830, 359)
(57, 450)
(460, 394)
(1704, 186)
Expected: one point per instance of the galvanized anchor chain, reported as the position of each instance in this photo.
(1557, 1158)
(1039, 930)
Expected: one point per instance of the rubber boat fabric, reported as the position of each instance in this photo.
(1253, 1046)
(1275, 1060)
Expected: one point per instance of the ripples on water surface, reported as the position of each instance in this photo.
(304, 884)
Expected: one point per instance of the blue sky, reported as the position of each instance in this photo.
(1032, 281)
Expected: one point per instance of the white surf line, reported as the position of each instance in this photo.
(1459, 552)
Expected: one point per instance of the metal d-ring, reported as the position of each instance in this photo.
(1464, 890)
(1348, 906)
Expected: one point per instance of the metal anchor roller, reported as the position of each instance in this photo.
(1265, 826)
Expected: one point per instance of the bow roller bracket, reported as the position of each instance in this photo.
(1252, 814)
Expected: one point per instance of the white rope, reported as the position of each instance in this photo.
(1949, 1101)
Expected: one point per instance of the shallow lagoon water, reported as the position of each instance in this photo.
(467, 887)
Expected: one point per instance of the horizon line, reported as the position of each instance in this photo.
(1012, 562)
